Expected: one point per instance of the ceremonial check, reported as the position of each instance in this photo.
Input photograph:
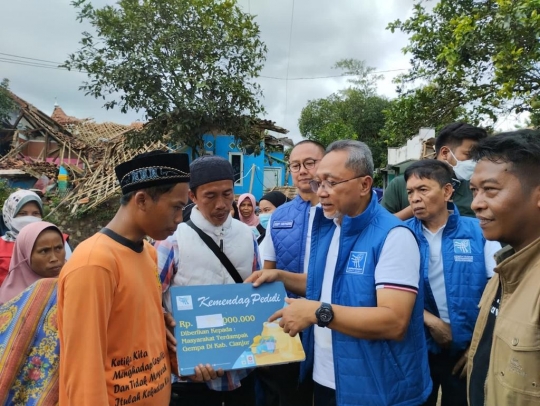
(226, 326)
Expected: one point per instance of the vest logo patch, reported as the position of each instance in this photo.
(462, 247)
(184, 302)
(357, 262)
(283, 224)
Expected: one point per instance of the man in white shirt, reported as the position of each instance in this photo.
(184, 259)
(368, 345)
(457, 264)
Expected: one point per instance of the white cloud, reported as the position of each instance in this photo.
(322, 33)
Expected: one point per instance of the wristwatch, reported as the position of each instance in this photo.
(324, 315)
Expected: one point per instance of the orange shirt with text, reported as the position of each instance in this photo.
(113, 348)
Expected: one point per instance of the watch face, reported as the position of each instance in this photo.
(325, 316)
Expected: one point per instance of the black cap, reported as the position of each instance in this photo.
(210, 168)
(155, 168)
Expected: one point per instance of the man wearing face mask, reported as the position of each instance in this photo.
(453, 146)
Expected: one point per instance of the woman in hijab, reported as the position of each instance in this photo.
(21, 208)
(38, 253)
(246, 207)
(269, 203)
(246, 212)
(29, 345)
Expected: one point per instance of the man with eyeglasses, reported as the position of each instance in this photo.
(363, 317)
(286, 247)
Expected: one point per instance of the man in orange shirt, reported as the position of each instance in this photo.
(113, 348)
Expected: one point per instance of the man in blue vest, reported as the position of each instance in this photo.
(287, 244)
(286, 247)
(457, 262)
(363, 317)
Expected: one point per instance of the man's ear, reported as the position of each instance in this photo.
(536, 194)
(141, 199)
(444, 154)
(448, 192)
(366, 185)
(192, 197)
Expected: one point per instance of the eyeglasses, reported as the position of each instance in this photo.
(328, 185)
(308, 164)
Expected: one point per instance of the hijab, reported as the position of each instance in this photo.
(20, 274)
(252, 220)
(276, 198)
(13, 205)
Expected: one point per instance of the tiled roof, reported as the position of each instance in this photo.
(62, 118)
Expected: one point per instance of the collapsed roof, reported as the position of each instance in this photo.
(89, 150)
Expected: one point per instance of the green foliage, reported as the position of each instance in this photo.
(364, 79)
(426, 107)
(480, 59)
(189, 65)
(353, 113)
(7, 105)
(535, 119)
(5, 191)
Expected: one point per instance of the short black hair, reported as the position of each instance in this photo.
(452, 135)
(520, 148)
(154, 192)
(430, 169)
(316, 143)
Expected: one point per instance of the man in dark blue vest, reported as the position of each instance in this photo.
(457, 262)
(286, 247)
(363, 317)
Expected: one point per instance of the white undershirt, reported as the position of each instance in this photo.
(268, 250)
(398, 268)
(436, 272)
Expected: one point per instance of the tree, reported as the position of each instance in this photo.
(7, 105)
(424, 107)
(473, 58)
(189, 65)
(363, 79)
(352, 113)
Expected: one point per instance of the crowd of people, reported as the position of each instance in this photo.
(431, 295)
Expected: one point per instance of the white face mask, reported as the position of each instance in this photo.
(463, 169)
(18, 223)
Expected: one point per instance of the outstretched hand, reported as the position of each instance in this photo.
(263, 276)
(297, 316)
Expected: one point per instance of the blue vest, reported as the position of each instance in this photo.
(464, 276)
(288, 228)
(367, 372)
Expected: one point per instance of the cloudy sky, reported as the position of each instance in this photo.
(321, 33)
